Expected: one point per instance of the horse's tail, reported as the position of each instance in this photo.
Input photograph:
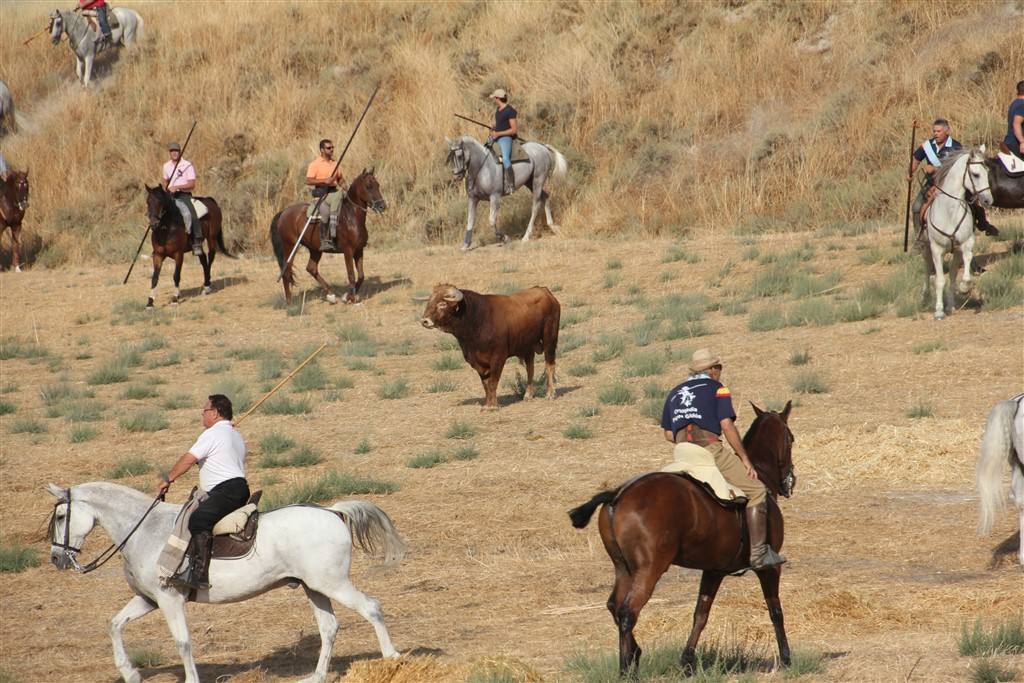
(581, 515)
(561, 168)
(275, 240)
(372, 530)
(995, 446)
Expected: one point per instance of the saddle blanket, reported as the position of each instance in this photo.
(173, 554)
(1013, 164)
(519, 155)
(698, 462)
(200, 208)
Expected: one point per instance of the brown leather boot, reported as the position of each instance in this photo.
(761, 554)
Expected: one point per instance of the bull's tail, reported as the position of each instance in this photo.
(275, 240)
(581, 515)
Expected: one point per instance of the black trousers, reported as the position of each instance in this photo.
(226, 497)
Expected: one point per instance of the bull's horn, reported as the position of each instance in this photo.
(454, 294)
(421, 298)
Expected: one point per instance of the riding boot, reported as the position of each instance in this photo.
(982, 220)
(762, 555)
(332, 232)
(510, 181)
(199, 564)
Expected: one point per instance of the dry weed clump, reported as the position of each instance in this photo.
(641, 98)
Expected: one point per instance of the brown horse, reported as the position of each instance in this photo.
(169, 239)
(660, 519)
(13, 203)
(352, 236)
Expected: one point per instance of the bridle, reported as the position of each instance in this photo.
(71, 552)
(964, 202)
(458, 156)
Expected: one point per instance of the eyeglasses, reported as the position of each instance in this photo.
(206, 410)
(328, 148)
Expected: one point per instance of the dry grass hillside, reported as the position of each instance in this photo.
(675, 117)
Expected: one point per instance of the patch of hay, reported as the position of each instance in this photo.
(403, 670)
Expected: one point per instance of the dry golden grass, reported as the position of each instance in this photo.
(758, 117)
(884, 561)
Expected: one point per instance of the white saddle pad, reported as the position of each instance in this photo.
(200, 211)
(234, 522)
(700, 464)
(1012, 163)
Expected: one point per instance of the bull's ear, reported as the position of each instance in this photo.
(757, 410)
(447, 141)
(453, 294)
(785, 411)
(372, 169)
(57, 492)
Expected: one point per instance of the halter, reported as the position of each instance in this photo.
(71, 551)
(458, 154)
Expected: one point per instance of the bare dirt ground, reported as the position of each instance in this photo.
(885, 564)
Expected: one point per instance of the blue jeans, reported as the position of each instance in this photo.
(101, 18)
(505, 143)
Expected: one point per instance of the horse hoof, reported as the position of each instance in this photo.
(17, 269)
(207, 289)
(331, 299)
(465, 246)
(149, 305)
(939, 315)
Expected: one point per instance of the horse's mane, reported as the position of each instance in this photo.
(948, 163)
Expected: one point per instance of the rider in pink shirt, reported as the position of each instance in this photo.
(181, 187)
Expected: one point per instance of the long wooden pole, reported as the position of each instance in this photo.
(279, 384)
(910, 182)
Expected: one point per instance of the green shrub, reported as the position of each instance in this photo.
(610, 280)
(460, 430)
(309, 378)
(6, 408)
(12, 347)
(365, 348)
(343, 382)
(303, 457)
(765, 319)
(395, 389)
(234, 389)
(616, 394)
(643, 364)
(929, 346)
(921, 409)
(677, 253)
(800, 357)
(425, 460)
(570, 342)
(82, 433)
(590, 411)
(646, 332)
(128, 467)
(27, 425)
(114, 371)
(363, 447)
(819, 312)
(609, 348)
(145, 659)
(574, 317)
(651, 408)
(809, 382)
(146, 420)
(440, 386)
(323, 488)
(613, 264)
(1006, 637)
(716, 663)
(448, 361)
(733, 307)
(177, 401)
(284, 405)
(1001, 288)
(274, 443)
(16, 558)
(357, 364)
(583, 370)
(804, 663)
(138, 392)
(465, 453)
(577, 431)
(216, 367)
(270, 367)
(352, 332)
(773, 281)
(172, 358)
(53, 394)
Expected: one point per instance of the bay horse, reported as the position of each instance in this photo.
(169, 239)
(13, 204)
(363, 193)
(659, 519)
(305, 545)
(1002, 447)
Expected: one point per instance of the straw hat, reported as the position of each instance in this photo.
(703, 359)
(498, 92)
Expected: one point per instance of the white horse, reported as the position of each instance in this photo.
(485, 179)
(950, 221)
(1002, 445)
(297, 544)
(82, 38)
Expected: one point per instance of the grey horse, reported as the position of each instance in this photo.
(8, 122)
(484, 179)
(82, 38)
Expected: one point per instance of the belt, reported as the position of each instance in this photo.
(694, 434)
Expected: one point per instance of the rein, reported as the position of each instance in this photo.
(964, 203)
(70, 551)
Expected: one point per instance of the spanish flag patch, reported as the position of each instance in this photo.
(723, 392)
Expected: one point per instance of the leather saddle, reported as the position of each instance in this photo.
(235, 534)
(90, 16)
(737, 503)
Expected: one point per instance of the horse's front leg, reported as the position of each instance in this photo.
(88, 69)
(16, 247)
(78, 69)
(158, 261)
(350, 269)
(769, 579)
(172, 604)
(938, 279)
(328, 625)
(495, 205)
(966, 256)
(709, 585)
(362, 276)
(470, 222)
(137, 607)
(179, 258)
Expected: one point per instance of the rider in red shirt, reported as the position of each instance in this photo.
(100, 6)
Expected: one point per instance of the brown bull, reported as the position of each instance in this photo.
(491, 328)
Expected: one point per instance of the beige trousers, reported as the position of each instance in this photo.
(731, 467)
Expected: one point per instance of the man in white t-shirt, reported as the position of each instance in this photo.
(220, 453)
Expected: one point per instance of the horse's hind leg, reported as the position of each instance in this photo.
(137, 607)
(313, 268)
(545, 197)
(644, 580)
(328, 625)
(709, 585)
(179, 258)
(769, 579)
(629, 651)
(369, 609)
(158, 261)
(205, 262)
(537, 201)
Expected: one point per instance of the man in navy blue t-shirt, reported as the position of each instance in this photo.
(506, 127)
(1014, 139)
(700, 411)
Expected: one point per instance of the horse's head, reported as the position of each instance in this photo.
(457, 158)
(366, 191)
(976, 180)
(56, 26)
(70, 523)
(18, 181)
(159, 203)
(769, 443)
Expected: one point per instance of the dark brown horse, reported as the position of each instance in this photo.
(169, 239)
(1007, 190)
(13, 203)
(352, 237)
(660, 519)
